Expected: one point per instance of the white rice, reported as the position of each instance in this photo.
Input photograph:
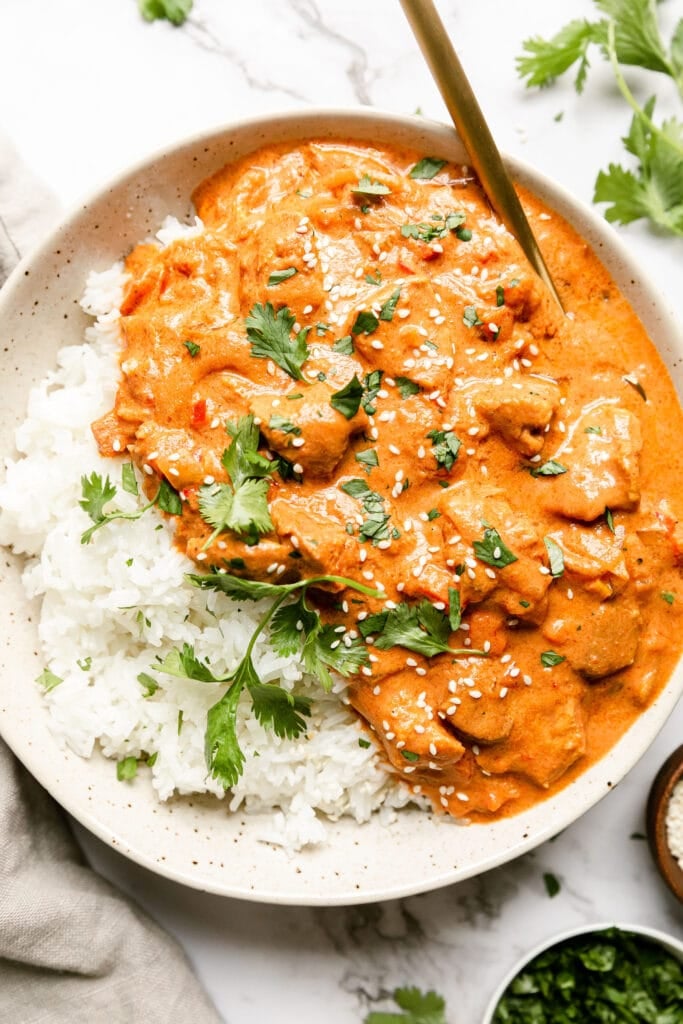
(116, 604)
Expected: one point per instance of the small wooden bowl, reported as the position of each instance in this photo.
(663, 786)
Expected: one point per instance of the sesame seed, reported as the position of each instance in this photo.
(173, 471)
(271, 568)
(376, 344)
(201, 556)
(148, 469)
(297, 442)
(208, 480)
(368, 574)
(116, 445)
(503, 692)
(366, 670)
(419, 729)
(462, 796)
(420, 671)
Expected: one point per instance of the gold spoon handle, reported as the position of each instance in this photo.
(467, 117)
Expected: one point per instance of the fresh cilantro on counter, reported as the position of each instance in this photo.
(628, 34)
(175, 11)
(419, 1007)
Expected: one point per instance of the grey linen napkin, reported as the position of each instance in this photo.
(72, 948)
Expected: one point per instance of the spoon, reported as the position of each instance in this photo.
(469, 121)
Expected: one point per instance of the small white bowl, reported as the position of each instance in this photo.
(668, 942)
(196, 841)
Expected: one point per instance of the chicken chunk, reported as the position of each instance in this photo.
(547, 737)
(479, 528)
(519, 411)
(602, 459)
(316, 527)
(598, 642)
(411, 738)
(307, 430)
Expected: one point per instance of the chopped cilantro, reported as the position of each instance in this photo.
(410, 755)
(470, 317)
(48, 680)
(593, 430)
(367, 186)
(368, 459)
(500, 295)
(454, 608)
(344, 345)
(666, 595)
(549, 468)
(281, 423)
(427, 168)
(377, 279)
(433, 514)
(278, 276)
(492, 550)
(555, 556)
(84, 663)
(549, 659)
(149, 683)
(609, 519)
(389, 308)
(446, 447)
(192, 348)
(635, 383)
(365, 744)
(127, 769)
(365, 323)
(552, 884)
(407, 387)
(347, 400)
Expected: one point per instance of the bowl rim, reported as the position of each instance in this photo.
(664, 939)
(615, 763)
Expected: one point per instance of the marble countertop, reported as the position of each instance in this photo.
(86, 88)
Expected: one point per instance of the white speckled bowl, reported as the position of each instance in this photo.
(670, 944)
(195, 841)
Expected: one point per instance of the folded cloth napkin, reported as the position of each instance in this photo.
(72, 948)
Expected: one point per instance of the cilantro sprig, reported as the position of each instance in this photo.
(295, 627)
(270, 334)
(420, 627)
(241, 505)
(98, 491)
(628, 34)
(419, 1008)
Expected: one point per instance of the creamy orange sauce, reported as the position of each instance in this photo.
(490, 361)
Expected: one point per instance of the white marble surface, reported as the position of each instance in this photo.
(87, 87)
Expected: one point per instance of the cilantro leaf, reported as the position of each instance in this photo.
(550, 658)
(470, 317)
(446, 447)
(224, 756)
(48, 680)
(129, 481)
(281, 423)
(279, 710)
(371, 388)
(289, 624)
(344, 345)
(547, 59)
(175, 11)
(492, 550)
(655, 188)
(420, 1007)
(127, 769)
(368, 459)
(427, 168)
(555, 556)
(389, 308)
(365, 323)
(552, 884)
(97, 492)
(270, 336)
(407, 387)
(420, 628)
(549, 468)
(635, 383)
(367, 186)
(278, 276)
(454, 608)
(192, 348)
(347, 400)
(184, 664)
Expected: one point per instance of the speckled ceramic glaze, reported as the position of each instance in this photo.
(195, 841)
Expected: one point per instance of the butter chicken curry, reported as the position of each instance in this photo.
(428, 423)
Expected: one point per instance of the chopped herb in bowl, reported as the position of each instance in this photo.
(607, 975)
